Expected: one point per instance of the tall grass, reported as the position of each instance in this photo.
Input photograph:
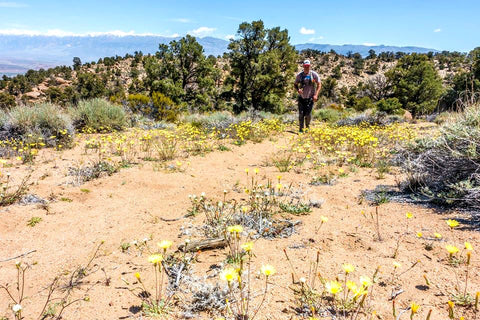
(98, 115)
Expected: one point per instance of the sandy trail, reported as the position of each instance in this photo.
(126, 207)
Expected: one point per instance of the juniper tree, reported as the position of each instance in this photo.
(262, 66)
(416, 83)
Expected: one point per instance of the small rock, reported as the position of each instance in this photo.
(32, 199)
(316, 203)
(407, 116)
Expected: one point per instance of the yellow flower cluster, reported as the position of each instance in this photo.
(350, 143)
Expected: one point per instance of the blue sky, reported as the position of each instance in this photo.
(444, 25)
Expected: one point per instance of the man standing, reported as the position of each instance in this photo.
(307, 93)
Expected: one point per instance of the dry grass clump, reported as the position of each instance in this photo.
(445, 168)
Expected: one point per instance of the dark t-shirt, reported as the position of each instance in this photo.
(307, 84)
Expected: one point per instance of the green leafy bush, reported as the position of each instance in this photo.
(327, 114)
(165, 108)
(363, 104)
(390, 106)
(7, 101)
(98, 115)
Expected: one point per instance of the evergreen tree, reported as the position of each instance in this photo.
(262, 66)
(181, 72)
(77, 63)
(416, 83)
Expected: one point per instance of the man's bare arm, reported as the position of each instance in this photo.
(296, 87)
(317, 91)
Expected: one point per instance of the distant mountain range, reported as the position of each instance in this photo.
(19, 53)
(362, 49)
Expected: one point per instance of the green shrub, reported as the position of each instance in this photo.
(363, 104)
(219, 120)
(327, 114)
(43, 120)
(390, 106)
(7, 101)
(165, 108)
(98, 115)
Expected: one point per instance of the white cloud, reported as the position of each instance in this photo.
(12, 5)
(229, 36)
(202, 31)
(304, 30)
(62, 33)
(313, 39)
(181, 20)
(437, 30)
(369, 44)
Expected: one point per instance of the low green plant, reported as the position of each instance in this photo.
(324, 179)
(34, 221)
(222, 147)
(284, 161)
(296, 209)
(383, 167)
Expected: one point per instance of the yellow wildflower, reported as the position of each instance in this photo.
(366, 281)
(419, 234)
(333, 287)
(155, 258)
(247, 246)
(352, 286)
(409, 215)
(228, 274)
(414, 307)
(360, 292)
(165, 244)
(451, 249)
(268, 270)
(235, 229)
(348, 268)
(437, 235)
(468, 246)
(452, 223)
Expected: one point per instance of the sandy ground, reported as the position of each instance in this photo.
(127, 206)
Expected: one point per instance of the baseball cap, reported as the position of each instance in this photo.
(306, 62)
